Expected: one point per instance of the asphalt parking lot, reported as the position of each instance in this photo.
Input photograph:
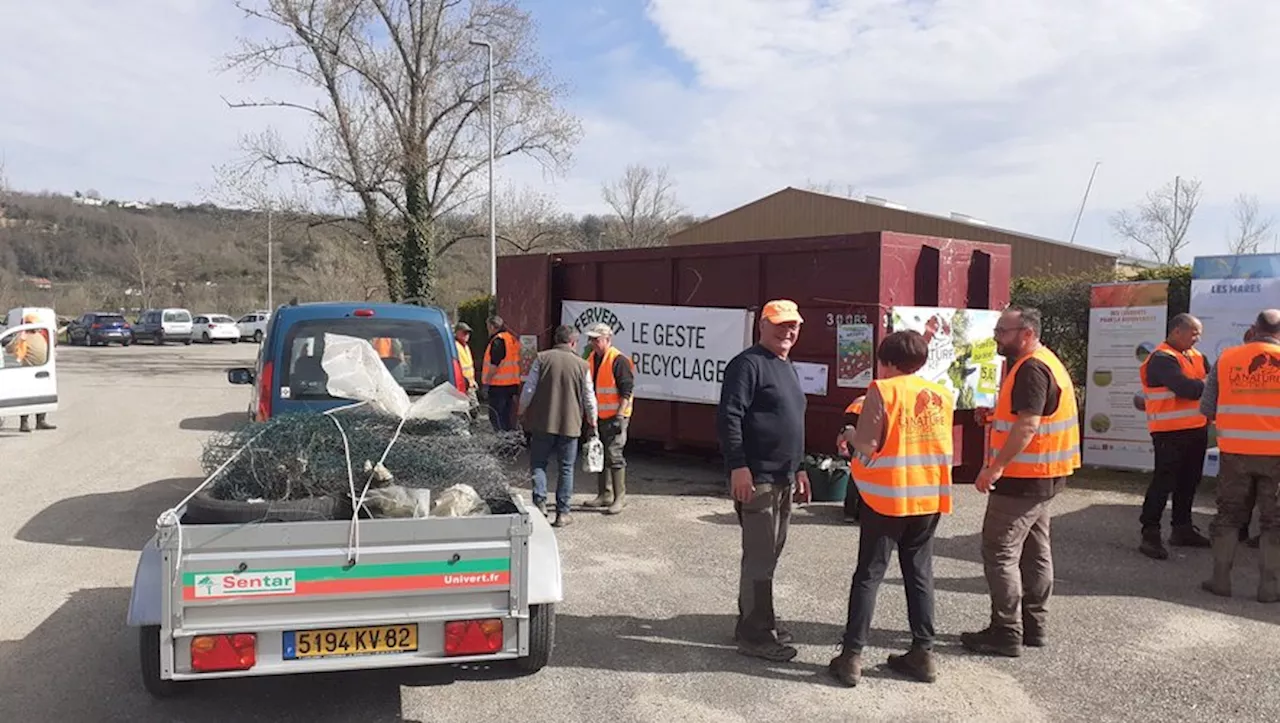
(645, 632)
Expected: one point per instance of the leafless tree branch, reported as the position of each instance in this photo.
(1252, 229)
(645, 205)
(1159, 224)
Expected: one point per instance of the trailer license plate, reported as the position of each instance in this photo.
(350, 641)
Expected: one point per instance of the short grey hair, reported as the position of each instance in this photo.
(565, 334)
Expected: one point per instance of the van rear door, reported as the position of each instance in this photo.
(26, 387)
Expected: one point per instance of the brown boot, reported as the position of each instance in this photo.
(619, 491)
(918, 663)
(992, 641)
(846, 668)
(604, 490)
(1269, 567)
(1224, 555)
(1152, 546)
(1188, 536)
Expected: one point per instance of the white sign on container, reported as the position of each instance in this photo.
(680, 352)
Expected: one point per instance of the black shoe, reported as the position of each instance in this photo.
(780, 634)
(1152, 545)
(1188, 536)
(769, 650)
(992, 642)
(1033, 637)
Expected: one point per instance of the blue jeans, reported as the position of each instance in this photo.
(566, 449)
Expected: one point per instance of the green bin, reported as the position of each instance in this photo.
(829, 484)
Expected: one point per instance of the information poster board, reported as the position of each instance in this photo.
(962, 350)
(1227, 292)
(680, 352)
(855, 356)
(1127, 321)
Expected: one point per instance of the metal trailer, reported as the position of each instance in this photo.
(278, 598)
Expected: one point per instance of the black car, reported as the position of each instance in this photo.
(100, 328)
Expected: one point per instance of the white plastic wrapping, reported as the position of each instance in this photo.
(356, 372)
(460, 500)
(593, 455)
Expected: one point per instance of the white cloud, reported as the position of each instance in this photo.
(995, 109)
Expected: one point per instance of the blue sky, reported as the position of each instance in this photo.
(975, 106)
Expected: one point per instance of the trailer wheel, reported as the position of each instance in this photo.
(149, 659)
(542, 638)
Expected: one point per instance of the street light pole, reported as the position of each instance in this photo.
(270, 266)
(493, 226)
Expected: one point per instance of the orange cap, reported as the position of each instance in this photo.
(781, 311)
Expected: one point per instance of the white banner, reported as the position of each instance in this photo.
(680, 352)
(1227, 292)
(962, 350)
(1127, 322)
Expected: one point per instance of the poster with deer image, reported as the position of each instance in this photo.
(962, 350)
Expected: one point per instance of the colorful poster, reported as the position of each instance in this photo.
(855, 365)
(680, 352)
(1126, 323)
(1227, 292)
(528, 352)
(962, 350)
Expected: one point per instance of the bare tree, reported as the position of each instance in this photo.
(152, 252)
(401, 132)
(1159, 224)
(1251, 228)
(645, 204)
(525, 220)
(832, 188)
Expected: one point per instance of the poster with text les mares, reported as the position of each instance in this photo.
(1227, 292)
(1126, 323)
(962, 350)
(855, 357)
(680, 352)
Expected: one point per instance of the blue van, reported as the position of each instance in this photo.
(415, 342)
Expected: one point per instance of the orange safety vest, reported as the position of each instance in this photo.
(855, 407)
(607, 398)
(1166, 411)
(1248, 416)
(468, 365)
(383, 346)
(1054, 451)
(507, 371)
(911, 473)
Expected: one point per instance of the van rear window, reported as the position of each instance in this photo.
(413, 351)
(177, 316)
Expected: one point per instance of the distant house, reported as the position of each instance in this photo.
(40, 282)
(794, 213)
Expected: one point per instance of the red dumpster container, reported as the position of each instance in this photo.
(847, 279)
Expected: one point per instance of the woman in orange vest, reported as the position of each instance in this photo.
(902, 460)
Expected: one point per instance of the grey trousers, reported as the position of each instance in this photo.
(1018, 561)
(764, 521)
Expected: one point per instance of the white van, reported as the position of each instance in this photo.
(161, 325)
(28, 389)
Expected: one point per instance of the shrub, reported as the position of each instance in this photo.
(475, 312)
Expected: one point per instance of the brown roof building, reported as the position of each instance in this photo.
(793, 213)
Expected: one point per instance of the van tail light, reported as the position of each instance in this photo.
(459, 380)
(236, 651)
(363, 312)
(264, 391)
(96, 326)
(473, 637)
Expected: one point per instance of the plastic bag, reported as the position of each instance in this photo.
(398, 501)
(460, 500)
(593, 455)
(355, 371)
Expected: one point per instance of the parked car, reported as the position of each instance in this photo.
(254, 325)
(161, 325)
(416, 343)
(215, 327)
(100, 327)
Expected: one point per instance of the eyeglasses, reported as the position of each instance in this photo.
(1007, 329)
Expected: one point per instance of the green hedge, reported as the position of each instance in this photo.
(476, 312)
(1063, 301)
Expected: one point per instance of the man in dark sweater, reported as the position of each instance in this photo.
(1173, 379)
(760, 423)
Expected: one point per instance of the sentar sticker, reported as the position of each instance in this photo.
(230, 584)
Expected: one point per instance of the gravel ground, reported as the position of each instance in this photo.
(645, 634)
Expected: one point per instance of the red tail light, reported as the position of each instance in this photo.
(96, 326)
(264, 391)
(459, 380)
(224, 652)
(362, 312)
(473, 637)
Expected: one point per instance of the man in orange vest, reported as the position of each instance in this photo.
(1242, 397)
(902, 459)
(613, 375)
(1034, 448)
(501, 374)
(1172, 381)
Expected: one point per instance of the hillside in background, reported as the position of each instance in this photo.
(82, 253)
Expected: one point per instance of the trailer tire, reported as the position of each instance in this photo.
(542, 638)
(149, 661)
(207, 510)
